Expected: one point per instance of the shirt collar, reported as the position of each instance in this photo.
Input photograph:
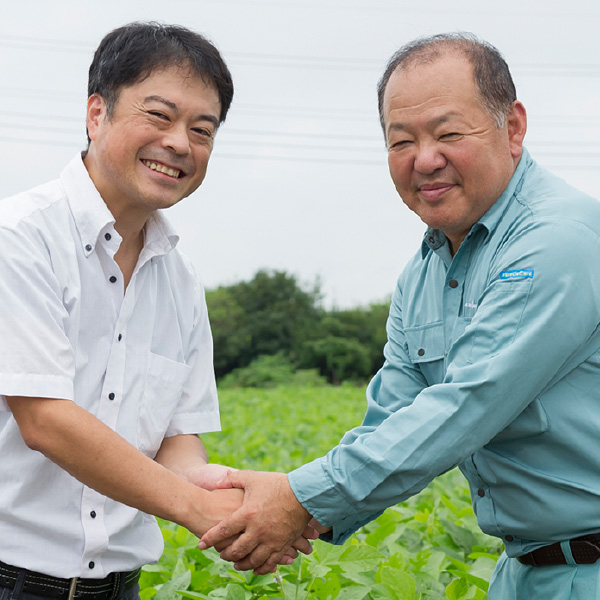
(92, 216)
(434, 239)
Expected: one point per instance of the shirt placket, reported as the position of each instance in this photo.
(93, 504)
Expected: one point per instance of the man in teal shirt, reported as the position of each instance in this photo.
(492, 361)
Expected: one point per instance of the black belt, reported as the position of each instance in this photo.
(585, 550)
(55, 587)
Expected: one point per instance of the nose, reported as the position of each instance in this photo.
(429, 158)
(176, 140)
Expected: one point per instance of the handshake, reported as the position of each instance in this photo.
(253, 518)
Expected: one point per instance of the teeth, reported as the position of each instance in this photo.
(162, 168)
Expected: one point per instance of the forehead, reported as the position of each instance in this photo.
(179, 82)
(446, 80)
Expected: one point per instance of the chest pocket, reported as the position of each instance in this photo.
(426, 348)
(165, 380)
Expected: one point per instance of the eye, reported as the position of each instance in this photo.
(399, 144)
(203, 134)
(202, 131)
(449, 137)
(158, 114)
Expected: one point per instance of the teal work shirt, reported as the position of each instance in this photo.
(491, 364)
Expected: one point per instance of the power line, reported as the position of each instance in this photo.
(302, 61)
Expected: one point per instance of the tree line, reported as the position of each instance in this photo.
(272, 329)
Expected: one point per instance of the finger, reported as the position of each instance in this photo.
(268, 566)
(240, 549)
(225, 483)
(303, 545)
(223, 531)
(290, 553)
(237, 478)
(310, 533)
(222, 545)
(262, 556)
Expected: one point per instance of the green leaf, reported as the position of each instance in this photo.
(482, 584)
(360, 558)
(457, 589)
(192, 595)
(397, 580)
(168, 591)
(462, 537)
(356, 592)
(406, 592)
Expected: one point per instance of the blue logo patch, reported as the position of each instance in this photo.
(517, 274)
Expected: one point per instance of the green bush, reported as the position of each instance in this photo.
(271, 371)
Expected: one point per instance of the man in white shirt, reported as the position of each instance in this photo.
(106, 359)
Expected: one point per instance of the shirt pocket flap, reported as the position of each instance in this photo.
(425, 342)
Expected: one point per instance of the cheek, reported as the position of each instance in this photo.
(400, 171)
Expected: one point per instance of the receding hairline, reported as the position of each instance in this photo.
(489, 70)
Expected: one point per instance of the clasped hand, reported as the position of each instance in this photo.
(268, 529)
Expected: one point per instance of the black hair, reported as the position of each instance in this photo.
(130, 53)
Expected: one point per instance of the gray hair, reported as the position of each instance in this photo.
(492, 75)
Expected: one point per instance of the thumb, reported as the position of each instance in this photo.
(220, 533)
(225, 483)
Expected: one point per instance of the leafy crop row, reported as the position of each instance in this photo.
(426, 548)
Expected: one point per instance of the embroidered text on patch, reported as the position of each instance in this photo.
(517, 274)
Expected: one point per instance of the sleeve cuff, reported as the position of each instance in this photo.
(186, 423)
(34, 385)
(317, 493)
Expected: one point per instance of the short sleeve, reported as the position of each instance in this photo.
(36, 357)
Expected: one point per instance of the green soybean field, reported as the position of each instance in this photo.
(428, 547)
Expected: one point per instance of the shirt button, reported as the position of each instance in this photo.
(107, 236)
(453, 283)
(420, 351)
(509, 538)
(93, 514)
(111, 396)
(112, 278)
(119, 337)
(88, 247)
(481, 493)
(91, 564)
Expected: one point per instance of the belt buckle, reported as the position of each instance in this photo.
(72, 588)
(584, 552)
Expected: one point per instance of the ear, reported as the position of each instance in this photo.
(517, 127)
(96, 113)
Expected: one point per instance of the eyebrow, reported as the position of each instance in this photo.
(173, 106)
(436, 121)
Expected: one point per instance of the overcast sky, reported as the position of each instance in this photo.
(298, 179)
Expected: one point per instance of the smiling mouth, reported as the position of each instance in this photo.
(434, 191)
(155, 166)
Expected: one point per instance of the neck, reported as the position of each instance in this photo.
(129, 251)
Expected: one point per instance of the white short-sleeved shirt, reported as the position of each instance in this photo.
(139, 360)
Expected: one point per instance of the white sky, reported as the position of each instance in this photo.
(298, 180)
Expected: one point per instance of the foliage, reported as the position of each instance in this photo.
(273, 315)
(269, 314)
(426, 548)
(270, 371)
(339, 357)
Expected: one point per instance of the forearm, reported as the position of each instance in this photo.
(182, 454)
(101, 459)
